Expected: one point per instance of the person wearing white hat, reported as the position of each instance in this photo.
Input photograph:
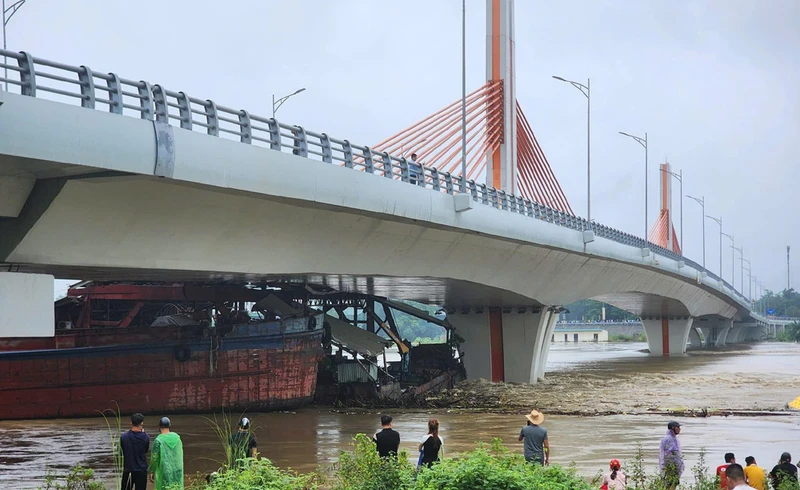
(537, 447)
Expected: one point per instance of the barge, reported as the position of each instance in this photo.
(164, 349)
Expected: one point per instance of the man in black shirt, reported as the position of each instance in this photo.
(387, 440)
(783, 471)
(243, 443)
(135, 444)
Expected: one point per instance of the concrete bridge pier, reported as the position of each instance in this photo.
(26, 305)
(666, 335)
(505, 344)
(694, 338)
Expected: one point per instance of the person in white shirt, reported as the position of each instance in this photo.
(735, 477)
(414, 170)
(431, 445)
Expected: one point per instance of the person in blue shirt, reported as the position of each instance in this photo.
(134, 444)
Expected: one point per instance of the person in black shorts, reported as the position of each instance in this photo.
(134, 444)
(387, 440)
(243, 444)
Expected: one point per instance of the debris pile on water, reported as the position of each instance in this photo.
(586, 393)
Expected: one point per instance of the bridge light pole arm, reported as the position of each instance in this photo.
(587, 92)
(276, 104)
(643, 142)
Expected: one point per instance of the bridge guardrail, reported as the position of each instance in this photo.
(95, 90)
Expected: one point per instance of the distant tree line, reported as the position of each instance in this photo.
(785, 303)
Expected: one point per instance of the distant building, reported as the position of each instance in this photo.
(576, 333)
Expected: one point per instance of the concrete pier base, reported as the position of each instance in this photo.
(505, 345)
(26, 305)
(667, 336)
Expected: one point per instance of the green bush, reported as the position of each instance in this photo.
(363, 469)
(259, 474)
(492, 468)
(78, 478)
(495, 468)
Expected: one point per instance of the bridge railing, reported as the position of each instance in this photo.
(41, 78)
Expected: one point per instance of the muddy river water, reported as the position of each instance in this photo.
(312, 437)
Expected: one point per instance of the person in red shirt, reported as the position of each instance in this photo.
(721, 469)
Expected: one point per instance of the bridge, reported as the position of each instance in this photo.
(106, 177)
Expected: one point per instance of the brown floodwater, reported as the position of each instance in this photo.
(310, 438)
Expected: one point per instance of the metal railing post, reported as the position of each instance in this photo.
(327, 151)
(27, 75)
(184, 110)
(160, 101)
(212, 118)
(86, 79)
(114, 94)
(146, 101)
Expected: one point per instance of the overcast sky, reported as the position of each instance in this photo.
(714, 83)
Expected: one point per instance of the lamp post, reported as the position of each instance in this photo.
(643, 142)
(6, 18)
(749, 278)
(463, 96)
(276, 104)
(586, 90)
(719, 222)
(678, 176)
(741, 256)
(702, 203)
(733, 275)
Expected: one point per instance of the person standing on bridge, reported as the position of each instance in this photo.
(166, 459)
(536, 447)
(670, 459)
(415, 173)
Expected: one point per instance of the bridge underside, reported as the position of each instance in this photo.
(122, 227)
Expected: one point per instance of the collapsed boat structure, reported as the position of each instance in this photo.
(193, 348)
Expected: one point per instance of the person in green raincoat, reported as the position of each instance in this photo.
(166, 458)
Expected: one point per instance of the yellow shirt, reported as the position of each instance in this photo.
(756, 477)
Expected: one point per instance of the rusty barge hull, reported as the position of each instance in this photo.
(256, 367)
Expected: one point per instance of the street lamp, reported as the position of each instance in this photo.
(7, 17)
(702, 203)
(463, 96)
(733, 274)
(719, 222)
(276, 104)
(586, 90)
(749, 269)
(678, 176)
(741, 256)
(643, 142)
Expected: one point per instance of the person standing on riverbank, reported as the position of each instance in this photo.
(166, 459)
(614, 479)
(536, 447)
(134, 444)
(387, 440)
(431, 444)
(721, 469)
(243, 444)
(784, 471)
(755, 475)
(734, 478)
(670, 459)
